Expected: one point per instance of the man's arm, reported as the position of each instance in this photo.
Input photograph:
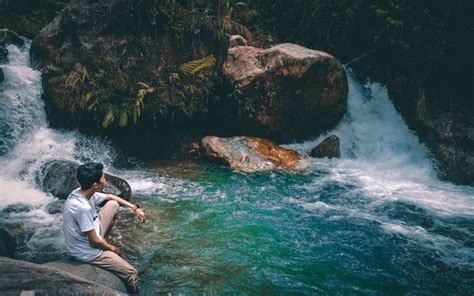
(99, 243)
(135, 209)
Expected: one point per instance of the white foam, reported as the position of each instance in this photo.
(383, 157)
(13, 192)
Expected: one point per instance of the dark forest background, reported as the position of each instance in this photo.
(422, 48)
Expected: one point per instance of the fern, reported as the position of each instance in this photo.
(108, 118)
(138, 106)
(195, 66)
(123, 118)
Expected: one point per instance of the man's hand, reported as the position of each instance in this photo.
(116, 250)
(134, 207)
(140, 214)
(100, 243)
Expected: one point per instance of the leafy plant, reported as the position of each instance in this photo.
(195, 66)
(142, 92)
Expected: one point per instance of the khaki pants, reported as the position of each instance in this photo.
(109, 260)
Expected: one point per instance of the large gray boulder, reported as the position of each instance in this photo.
(249, 154)
(59, 179)
(7, 244)
(287, 92)
(20, 277)
(89, 272)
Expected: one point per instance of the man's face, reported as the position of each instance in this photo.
(101, 184)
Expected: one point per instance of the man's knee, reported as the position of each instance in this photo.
(114, 205)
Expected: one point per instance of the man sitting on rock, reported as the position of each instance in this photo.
(85, 230)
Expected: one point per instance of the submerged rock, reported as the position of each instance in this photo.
(17, 208)
(7, 244)
(89, 272)
(54, 207)
(329, 148)
(2, 76)
(288, 91)
(20, 277)
(59, 179)
(249, 154)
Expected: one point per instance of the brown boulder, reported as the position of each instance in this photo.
(329, 148)
(287, 92)
(249, 154)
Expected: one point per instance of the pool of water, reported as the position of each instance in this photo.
(214, 231)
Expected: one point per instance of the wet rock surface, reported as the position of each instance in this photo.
(24, 277)
(450, 137)
(59, 179)
(329, 147)
(89, 272)
(249, 154)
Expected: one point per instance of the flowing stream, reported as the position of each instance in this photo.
(376, 221)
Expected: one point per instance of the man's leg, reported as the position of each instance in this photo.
(106, 217)
(116, 264)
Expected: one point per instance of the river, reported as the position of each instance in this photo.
(376, 221)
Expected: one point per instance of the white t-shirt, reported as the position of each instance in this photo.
(79, 217)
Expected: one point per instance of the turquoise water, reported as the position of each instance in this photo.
(376, 221)
(272, 233)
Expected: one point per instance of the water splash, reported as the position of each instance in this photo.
(26, 144)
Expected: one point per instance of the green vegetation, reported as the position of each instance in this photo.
(159, 66)
(27, 17)
(160, 59)
(421, 46)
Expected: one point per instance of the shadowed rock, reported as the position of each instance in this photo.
(60, 179)
(54, 207)
(329, 148)
(7, 244)
(89, 272)
(288, 91)
(2, 76)
(249, 154)
(7, 37)
(17, 208)
(3, 53)
(23, 277)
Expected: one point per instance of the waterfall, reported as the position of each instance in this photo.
(26, 144)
